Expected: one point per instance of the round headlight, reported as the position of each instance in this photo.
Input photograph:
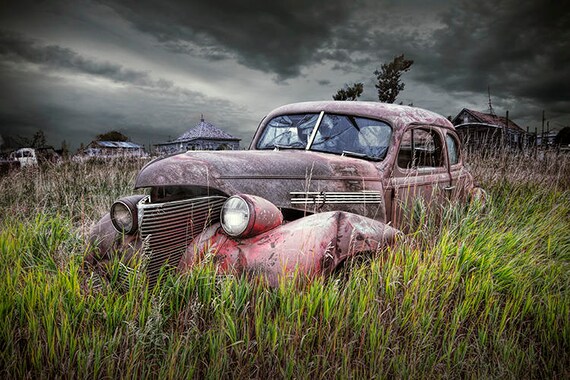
(235, 216)
(124, 214)
(121, 217)
(247, 215)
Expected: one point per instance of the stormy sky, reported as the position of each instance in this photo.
(149, 69)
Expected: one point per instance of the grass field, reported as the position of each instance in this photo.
(477, 294)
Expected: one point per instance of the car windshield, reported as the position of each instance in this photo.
(338, 134)
(288, 131)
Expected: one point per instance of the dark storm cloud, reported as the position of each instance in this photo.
(519, 48)
(275, 37)
(50, 73)
(18, 49)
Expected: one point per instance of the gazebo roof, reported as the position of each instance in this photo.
(206, 131)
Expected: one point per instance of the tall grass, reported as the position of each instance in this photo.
(474, 293)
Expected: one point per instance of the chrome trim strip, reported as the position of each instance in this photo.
(336, 197)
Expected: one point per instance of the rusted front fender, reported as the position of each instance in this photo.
(106, 243)
(308, 246)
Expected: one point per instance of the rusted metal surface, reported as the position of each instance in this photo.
(272, 175)
(333, 204)
(306, 247)
(111, 244)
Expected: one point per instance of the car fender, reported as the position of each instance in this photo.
(308, 246)
(105, 241)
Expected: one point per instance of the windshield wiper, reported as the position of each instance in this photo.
(354, 154)
(279, 147)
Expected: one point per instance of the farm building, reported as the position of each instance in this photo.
(204, 136)
(480, 130)
(112, 149)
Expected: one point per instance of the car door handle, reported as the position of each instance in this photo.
(449, 188)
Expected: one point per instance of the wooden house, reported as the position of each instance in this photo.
(480, 130)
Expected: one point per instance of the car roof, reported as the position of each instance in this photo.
(396, 115)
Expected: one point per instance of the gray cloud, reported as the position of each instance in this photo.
(17, 48)
(519, 48)
(145, 108)
(161, 53)
(67, 111)
(275, 37)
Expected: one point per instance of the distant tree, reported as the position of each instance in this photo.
(39, 139)
(349, 92)
(563, 137)
(389, 78)
(112, 136)
(64, 149)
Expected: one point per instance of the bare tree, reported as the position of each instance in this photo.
(389, 78)
(349, 92)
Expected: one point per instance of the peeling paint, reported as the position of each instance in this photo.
(314, 210)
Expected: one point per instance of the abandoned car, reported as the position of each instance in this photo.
(321, 182)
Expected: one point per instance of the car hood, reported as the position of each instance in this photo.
(273, 175)
(207, 168)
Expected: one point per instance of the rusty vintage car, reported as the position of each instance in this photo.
(321, 182)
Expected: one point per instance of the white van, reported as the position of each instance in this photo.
(26, 157)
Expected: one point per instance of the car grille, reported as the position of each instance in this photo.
(168, 228)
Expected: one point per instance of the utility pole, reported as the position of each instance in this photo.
(542, 133)
(505, 129)
(535, 141)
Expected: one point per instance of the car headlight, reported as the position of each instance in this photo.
(248, 215)
(124, 215)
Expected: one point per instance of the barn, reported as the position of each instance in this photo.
(480, 130)
(113, 149)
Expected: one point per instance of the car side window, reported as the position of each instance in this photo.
(452, 149)
(421, 148)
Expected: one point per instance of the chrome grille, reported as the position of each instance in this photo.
(168, 228)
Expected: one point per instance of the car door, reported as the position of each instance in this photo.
(460, 178)
(420, 177)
